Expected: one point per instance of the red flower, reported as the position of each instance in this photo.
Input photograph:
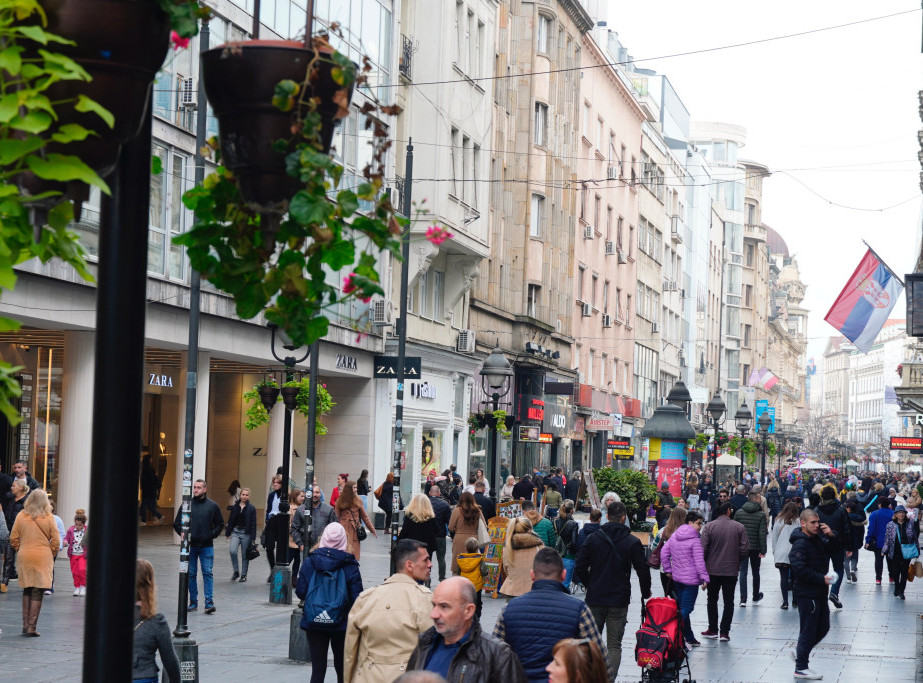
(178, 43)
(349, 287)
(438, 235)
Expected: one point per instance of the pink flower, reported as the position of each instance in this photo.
(178, 43)
(349, 287)
(359, 337)
(438, 235)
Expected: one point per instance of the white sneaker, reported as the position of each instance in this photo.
(83, 590)
(807, 674)
(793, 655)
(76, 591)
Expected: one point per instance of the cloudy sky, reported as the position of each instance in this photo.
(834, 114)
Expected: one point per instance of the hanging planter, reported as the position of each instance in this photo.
(241, 82)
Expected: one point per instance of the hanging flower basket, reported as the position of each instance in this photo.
(241, 82)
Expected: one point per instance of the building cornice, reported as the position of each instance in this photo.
(578, 14)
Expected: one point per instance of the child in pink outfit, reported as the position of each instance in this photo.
(77, 551)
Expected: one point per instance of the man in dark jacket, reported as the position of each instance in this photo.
(443, 512)
(753, 518)
(205, 524)
(523, 488)
(456, 648)
(20, 472)
(835, 516)
(589, 528)
(663, 503)
(809, 559)
(725, 544)
(534, 639)
(739, 499)
(321, 515)
(604, 567)
(488, 507)
(875, 538)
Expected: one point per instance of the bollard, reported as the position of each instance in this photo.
(280, 588)
(298, 649)
(187, 651)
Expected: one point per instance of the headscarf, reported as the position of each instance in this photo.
(334, 536)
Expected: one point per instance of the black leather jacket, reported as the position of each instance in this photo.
(480, 659)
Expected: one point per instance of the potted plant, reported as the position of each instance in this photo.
(636, 491)
(268, 391)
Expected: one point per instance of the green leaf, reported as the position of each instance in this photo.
(9, 107)
(84, 104)
(65, 167)
(11, 150)
(308, 210)
(64, 67)
(32, 122)
(157, 167)
(339, 254)
(61, 215)
(71, 132)
(348, 202)
(11, 60)
(9, 325)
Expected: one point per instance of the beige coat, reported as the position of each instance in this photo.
(350, 519)
(518, 563)
(382, 631)
(36, 542)
(463, 531)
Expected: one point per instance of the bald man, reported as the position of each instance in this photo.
(456, 643)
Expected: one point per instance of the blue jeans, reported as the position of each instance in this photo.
(240, 540)
(207, 557)
(569, 566)
(686, 595)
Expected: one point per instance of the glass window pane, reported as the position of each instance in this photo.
(155, 257)
(177, 209)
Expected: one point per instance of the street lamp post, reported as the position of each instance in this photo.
(496, 374)
(716, 410)
(764, 423)
(742, 418)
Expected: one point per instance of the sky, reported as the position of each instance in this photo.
(834, 115)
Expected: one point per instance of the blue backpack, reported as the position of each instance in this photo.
(325, 605)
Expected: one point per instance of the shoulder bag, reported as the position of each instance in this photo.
(483, 533)
(4, 529)
(361, 533)
(908, 550)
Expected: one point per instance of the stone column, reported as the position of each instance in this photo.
(76, 418)
(273, 448)
(201, 431)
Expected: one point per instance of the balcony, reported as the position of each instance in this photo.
(677, 228)
(910, 391)
(406, 57)
(755, 231)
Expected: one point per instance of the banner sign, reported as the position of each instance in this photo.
(906, 443)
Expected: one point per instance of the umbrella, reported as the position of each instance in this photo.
(728, 459)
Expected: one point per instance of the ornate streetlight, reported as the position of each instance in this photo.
(742, 418)
(496, 374)
(716, 410)
(764, 423)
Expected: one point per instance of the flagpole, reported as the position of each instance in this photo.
(882, 262)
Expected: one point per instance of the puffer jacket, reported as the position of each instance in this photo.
(832, 513)
(774, 500)
(682, 556)
(754, 520)
(470, 566)
(782, 541)
(857, 522)
(809, 558)
(480, 659)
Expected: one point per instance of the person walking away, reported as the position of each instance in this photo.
(386, 621)
(420, 525)
(676, 520)
(542, 526)
(566, 528)
(151, 632)
(664, 503)
(321, 515)
(740, 498)
(810, 558)
(875, 537)
(443, 512)
(19, 491)
(788, 521)
(754, 520)
(857, 522)
(471, 564)
(532, 639)
(35, 539)
(486, 504)
(900, 547)
(773, 500)
(386, 502)
(725, 544)
(352, 515)
(831, 512)
(456, 648)
(572, 487)
(523, 488)
(241, 529)
(604, 566)
(684, 561)
(362, 488)
(205, 524)
(519, 550)
(329, 583)
(463, 524)
(588, 528)
(74, 539)
(576, 661)
(150, 491)
(553, 499)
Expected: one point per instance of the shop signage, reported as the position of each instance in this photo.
(386, 367)
(558, 418)
(530, 434)
(346, 362)
(531, 409)
(902, 443)
(160, 380)
(621, 448)
(601, 423)
(423, 390)
(545, 438)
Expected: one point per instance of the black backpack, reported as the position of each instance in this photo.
(565, 545)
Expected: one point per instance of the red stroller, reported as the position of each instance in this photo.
(660, 650)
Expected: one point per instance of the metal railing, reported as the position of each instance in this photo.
(406, 58)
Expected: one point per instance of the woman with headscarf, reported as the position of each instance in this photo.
(519, 551)
(36, 540)
(329, 556)
(352, 515)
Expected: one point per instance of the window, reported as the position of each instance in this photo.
(622, 162)
(599, 134)
(618, 234)
(533, 301)
(586, 120)
(541, 124)
(455, 154)
(537, 216)
(628, 310)
(612, 157)
(606, 296)
(438, 292)
(608, 223)
(581, 272)
(593, 290)
(750, 255)
(472, 45)
(597, 208)
(424, 299)
(542, 33)
(631, 240)
(475, 155)
(618, 305)
(461, 29)
(167, 216)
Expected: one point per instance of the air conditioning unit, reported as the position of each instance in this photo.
(622, 257)
(610, 248)
(612, 173)
(669, 285)
(466, 341)
(607, 320)
(655, 327)
(587, 310)
(382, 312)
(682, 293)
(188, 94)
(588, 232)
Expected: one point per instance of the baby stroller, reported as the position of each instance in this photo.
(660, 650)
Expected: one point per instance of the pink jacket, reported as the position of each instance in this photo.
(682, 556)
(70, 541)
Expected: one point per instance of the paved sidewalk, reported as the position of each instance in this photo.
(872, 639)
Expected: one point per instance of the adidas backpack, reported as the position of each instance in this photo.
(325, 605)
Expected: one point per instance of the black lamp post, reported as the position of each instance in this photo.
(742, 418)
(496, 374)
(716, 410)
(764, 423)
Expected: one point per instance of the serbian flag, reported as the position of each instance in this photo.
(863, 306)
(762, 378)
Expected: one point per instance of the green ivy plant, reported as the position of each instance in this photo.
(748, 445)
(284, 267)
(256, 414)
(482, 419)
(29, 121)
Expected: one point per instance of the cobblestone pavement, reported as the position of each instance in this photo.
(872, 639)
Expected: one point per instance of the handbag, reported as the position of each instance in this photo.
(253, 552)
(378, 491)
(361, 533)
(911, 574)
(483, 533)
(910, 550)
(4, 529)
